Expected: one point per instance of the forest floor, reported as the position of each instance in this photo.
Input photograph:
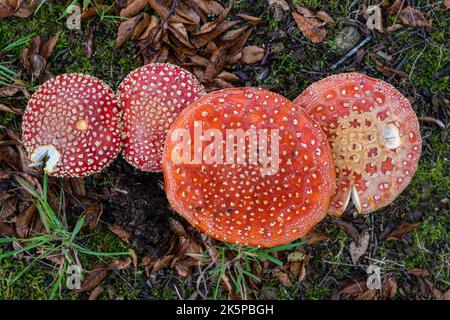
(408, 240)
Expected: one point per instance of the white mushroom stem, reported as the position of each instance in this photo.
(47, 153)
(355, 199)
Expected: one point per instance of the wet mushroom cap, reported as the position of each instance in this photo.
(72, 120)
(151, 97)
(374, 135)
(234, 201)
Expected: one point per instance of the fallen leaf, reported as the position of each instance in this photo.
(120, 232)
(92, 215)
(399, 233)
(93, 278)
(249, 18)
(394, 27)
(281, 4)
(233, 34)
(312, 28)
(24, 221)
(395, 7)
(96, 293)
(141, 26)
(418, 272)
(47, 47)
(348, 228)
(209, 6)
(358, 248)
(354, 288)
(126, 30)
(252, 54)
(8, 91)
(314, 236)
(389, 288)
(282, 277)
(133, 7)
(120, 264)
(325, 17)
(5, 108)
(412, 17)
(216, 63)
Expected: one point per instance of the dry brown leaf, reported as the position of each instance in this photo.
(93, 278)
(199, 61)
(280, 4)
(348, 228)
(314, 236)
(151, 29)
(133, 8)
(311, 28)
(6, 230)
(187, 12)
(180, 32)
(216, 63)
(96, 293)
(8, 91)
(120, 232)
(141, 26)
(389, 288)
(252, 54)
(354, 288)
(395, 7)
(358, 248)
(5, 108)
(238, 44)
(209, 6)
(47, 47)
(249, 18)
(418, 272)
(325, 17)
(228, 76)
(446, 4)
(7, 8)
(126, 30)
(24, 221)
(92, 215)
(394, 27)
(201, 40)
(399, 233)
(233, 34)
(414, 18)
(163, 12)
(120, 264)
(283, 277)
(26, 8)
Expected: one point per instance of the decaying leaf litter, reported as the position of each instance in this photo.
(224, 46)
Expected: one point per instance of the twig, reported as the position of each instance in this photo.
(432, 120)
(163, 22)
(351, 52)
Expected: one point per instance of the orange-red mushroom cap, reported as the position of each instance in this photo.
(374, 135)
(151, 97)
(72, 120)
(238, 201)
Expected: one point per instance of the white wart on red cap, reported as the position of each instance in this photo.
(151, 97)
(73, 121)
(374, 135)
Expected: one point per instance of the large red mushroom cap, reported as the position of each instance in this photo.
(243, 201)
(151, 97)
(374, 135)
(72, 120)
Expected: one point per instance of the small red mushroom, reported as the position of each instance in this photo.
(151, 98)
(73, 121)
(374, 135)
(235, 198)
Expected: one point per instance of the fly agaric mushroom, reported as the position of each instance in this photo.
(254, 197)
(72, 121)
(374, 135)
(151, 98)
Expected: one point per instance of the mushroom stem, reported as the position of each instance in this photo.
(47, 155)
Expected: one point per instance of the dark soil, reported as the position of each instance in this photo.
(137, 202)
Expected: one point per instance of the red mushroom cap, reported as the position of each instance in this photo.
(233, 201)
(151, 98)
(374, 135)
(74, 121)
